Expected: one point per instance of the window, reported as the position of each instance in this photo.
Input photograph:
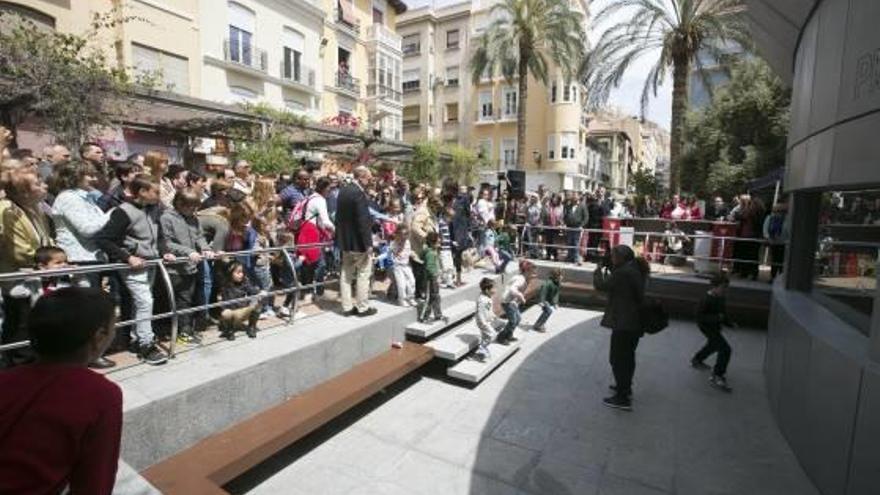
(568, 146)
(510, 97)
(551, 147)
(242, 24)
(486, 111)
(412, 115)
(508, 152)
(242, 95)
(411, 80)
(553, 92)
(566, 93)
(574, 93)
(452, 112)
(295, 105)
(485, 148)
(452, 39)
(294, 45)
(411, 44)
(452, 76)
(39, 19)
(174, 70)
(845, 271)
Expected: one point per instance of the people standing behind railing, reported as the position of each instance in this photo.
(718, 210)
(184, 239)
(750, 216)
(552, 217)
(24, 228)
(777, 231)
(597, 211)
(354, 237)
(575, 217)
(119, 193)
(156, 166)
(462, 221)
(532, 230)
(132, 236)
(61, 424)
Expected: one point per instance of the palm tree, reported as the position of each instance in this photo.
(676, 31)
(529, 37)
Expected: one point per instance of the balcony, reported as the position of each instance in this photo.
(381, 34)
(304, 76)
(244, 54)
(346, 82)
(350, 25)
(384, 93)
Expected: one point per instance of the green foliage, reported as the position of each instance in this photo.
(267, 156)
(56, 77)
(276, 117)
(425, 165)
(740, 135)
(463, 165)
(644, 182)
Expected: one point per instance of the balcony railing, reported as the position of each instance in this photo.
(380, 33)
(304, 75)
(244, 54)
(384, 92)
(345, 81)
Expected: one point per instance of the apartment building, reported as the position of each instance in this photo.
(442, 103)
(361, 63)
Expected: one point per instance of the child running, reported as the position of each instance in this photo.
(711, 314)
(234, 315)
(549, 299)
(404, 280)
(432, 273)
(487, 322)
(512, 298)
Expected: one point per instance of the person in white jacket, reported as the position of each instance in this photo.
(487, 322)
(512, 298)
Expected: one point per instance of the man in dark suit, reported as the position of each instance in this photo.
(355, 240)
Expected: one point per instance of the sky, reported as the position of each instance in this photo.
(628, 95)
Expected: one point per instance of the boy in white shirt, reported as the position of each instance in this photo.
(487, 322)
(512, 298)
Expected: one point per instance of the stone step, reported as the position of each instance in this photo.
(456, 343)
(455, 313)
(473, 371)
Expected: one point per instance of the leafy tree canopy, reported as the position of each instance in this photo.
(740, 135)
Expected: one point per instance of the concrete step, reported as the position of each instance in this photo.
(456, 343)
(473, 371)
(455, 313)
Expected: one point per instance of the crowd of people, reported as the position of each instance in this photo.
(60, 209)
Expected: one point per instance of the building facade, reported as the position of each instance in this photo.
(822, 363)
(444, 104)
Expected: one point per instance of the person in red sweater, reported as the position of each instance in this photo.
(60, 422)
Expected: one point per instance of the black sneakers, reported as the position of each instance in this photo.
(152, 355)
(720, 383)
(618, 402)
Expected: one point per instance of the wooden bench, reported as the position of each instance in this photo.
(211, 463)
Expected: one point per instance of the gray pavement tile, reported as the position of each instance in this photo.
(505, 462)
(651, 467)
(616, 485)
(555, 476)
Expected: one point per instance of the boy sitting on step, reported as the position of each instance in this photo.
(487, 322)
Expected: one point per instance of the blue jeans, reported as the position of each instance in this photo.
(263, 275)
(572, 239)
(511, 309)
(546, 311)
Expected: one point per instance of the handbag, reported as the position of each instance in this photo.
(654, 317)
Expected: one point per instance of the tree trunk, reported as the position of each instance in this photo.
(680, 73)
(522, 98)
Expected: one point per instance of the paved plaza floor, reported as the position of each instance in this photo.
(536, 426)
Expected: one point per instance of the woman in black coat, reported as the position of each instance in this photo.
(625, 289)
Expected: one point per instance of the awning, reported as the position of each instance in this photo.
(767, 181)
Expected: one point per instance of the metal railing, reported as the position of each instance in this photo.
(244, 54)
(301, 75)
(345, 81)
(384, 92)
(173, 314)
(378, 32)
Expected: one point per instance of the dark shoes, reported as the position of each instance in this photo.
(351, 312)
(152, 355)
(720, 383)
(369, 312)
(102, 363)
(618, 402)
(699, 365)
(251, 332)
(613, 388)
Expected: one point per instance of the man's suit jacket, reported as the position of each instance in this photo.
(353, 220)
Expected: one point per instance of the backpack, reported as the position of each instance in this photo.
(775, 227)
(298, 216)
(654, 317)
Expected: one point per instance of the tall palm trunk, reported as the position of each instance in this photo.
(680, 73)
(522, 98)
